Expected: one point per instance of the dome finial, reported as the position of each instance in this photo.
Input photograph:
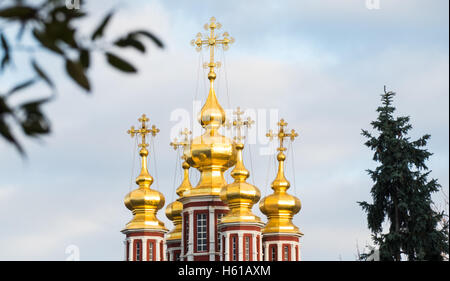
(185, 144)
(212, 115)
(240, 196)
(280, 207)
(211, 153)
(174, 209)
(144, 202)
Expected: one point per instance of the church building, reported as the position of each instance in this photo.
(213, 220)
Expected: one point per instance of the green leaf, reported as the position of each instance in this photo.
(42, 74)
(149, 35)
(120, 63)
(99, 31)
(20, 12)
(76, 71)
(130, 42)
(21, 86)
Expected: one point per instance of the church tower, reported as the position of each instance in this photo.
(212, 154)
(174, 209)
(145, 232)
(240, 229)
(213, 220)
(281, 238)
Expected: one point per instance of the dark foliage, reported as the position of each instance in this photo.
(53, 26)
(402, 191)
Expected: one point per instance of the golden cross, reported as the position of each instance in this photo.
(143, 131)
(211, 40)
(239, 123)
(282, 134)
(184, 143)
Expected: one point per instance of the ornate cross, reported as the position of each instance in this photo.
(239, 123)
(211, 40)
(143, 131)
(184, 143)
(282, 134)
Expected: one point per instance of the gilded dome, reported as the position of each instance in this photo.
(173, 213)
(280, 207)
(240, 196)
(144, 202)
(211, 153)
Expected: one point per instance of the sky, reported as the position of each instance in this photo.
(319, 64)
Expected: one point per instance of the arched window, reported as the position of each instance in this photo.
(273, 252)
(219, 241)
(186, 233)
(201, 233)
(151, 250)
(138, 250)
(234, 248)
(247, 248)
(286, 256)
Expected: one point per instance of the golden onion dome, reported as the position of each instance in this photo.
(211, 153)
(173, 213)
(280, 207)
(144, 202)
(240, 196)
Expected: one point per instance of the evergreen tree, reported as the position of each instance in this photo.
(402, 192)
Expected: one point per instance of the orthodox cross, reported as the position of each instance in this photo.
(183, 143)
(143, 131)
(282, 134)
(212, 40)
(239, 123)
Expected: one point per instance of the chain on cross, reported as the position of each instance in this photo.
(211, 41)
(143, 131)
(281, 135)
(239, 123)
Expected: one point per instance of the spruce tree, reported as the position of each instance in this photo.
(402, 192)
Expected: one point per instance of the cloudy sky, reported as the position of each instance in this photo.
(320, 64)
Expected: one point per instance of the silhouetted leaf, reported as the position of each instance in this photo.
(84, 58)
(99, 31)
(42, 74)
(21, 86)
(5, 47)
(20, 12)
(47, 42)
(35, 123)
(76, 71)
(152, 37)
(120, 63)
(4, 108)
(4, 128)
(6, 133)
(130, 42)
